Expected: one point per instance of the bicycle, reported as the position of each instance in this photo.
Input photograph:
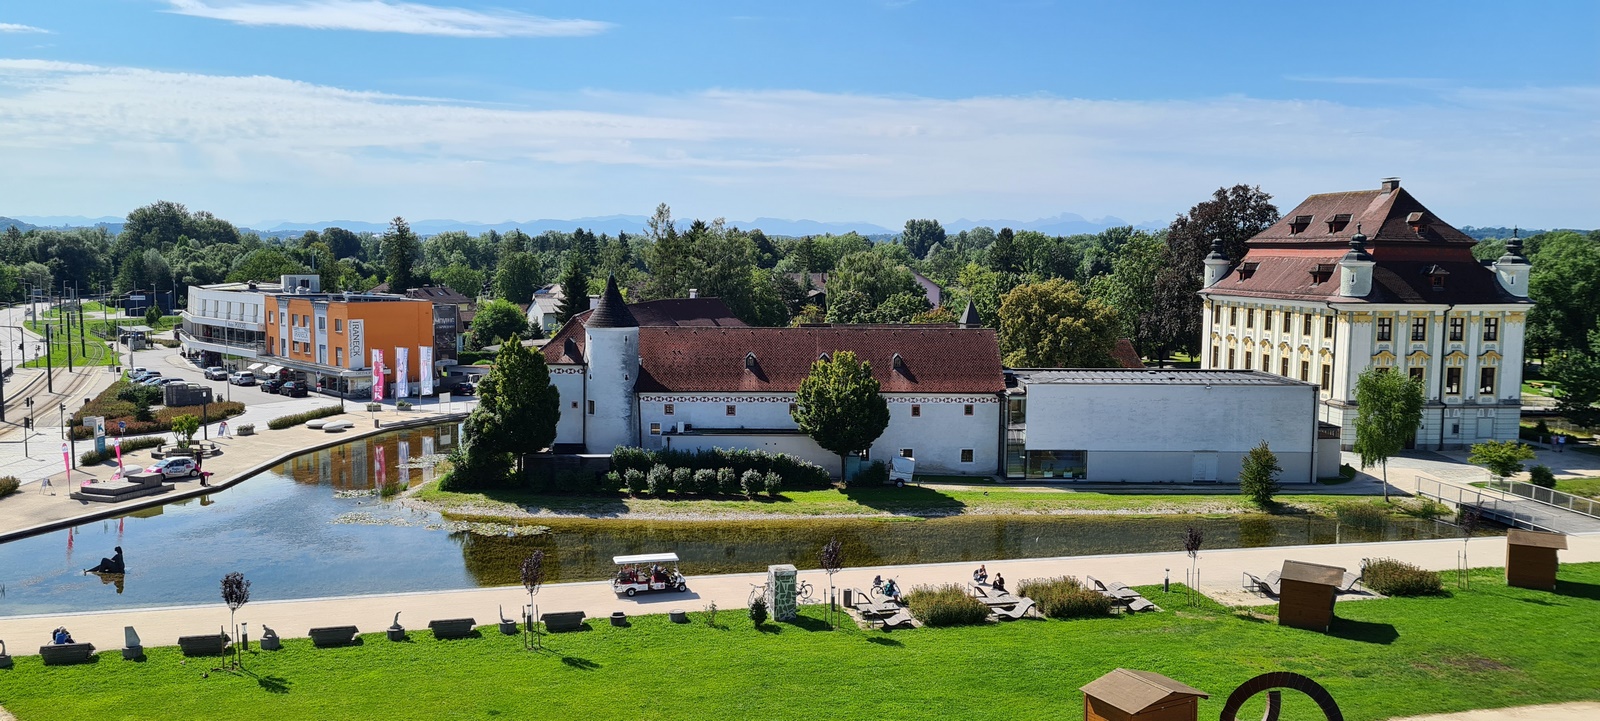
(757, 591)
(802, 593)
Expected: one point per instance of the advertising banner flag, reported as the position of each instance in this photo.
(377, 375)
(66, 461)
(118, 445)
(378, 468)
(402, 372)
(425, 366)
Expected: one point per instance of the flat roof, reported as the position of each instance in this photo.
(260, 287)
(645, 558)
(1150, 376)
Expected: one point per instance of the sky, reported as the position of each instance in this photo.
(864, 110)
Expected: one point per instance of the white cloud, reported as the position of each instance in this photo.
(271, 147)
(15, 28)
(384, 16)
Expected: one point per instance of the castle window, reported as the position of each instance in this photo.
(1415, 374)
(1216, 356)
(966, 455)
(1216, 314)
(966, 410)
(1305, 371)
(1338, 222)
(1247, 356)
(1250, 317)
(907, 453)
(1327, 327)
(1247, 269)
(1327, 377)
(1486, 382)
(1452, 381)
(1305, 324)
(1233, 316)
(1458, 328)
(668, 409)
(1321, 272)
(791, 409)
(824, 357)
(1299, 224)
(655, 429)
(1266, 362)
(1266, 320)
(1419, 329)
(591, 408)
(1491, 329)
(1385, 329)
(749, 363)
(1284, 368)
(898, 362)
(1230, 358)
(574, 405)
(916, 411)
(730, 409)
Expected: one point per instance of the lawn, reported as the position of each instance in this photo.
(911, 500)
(1586, 487)
(1491, 646)
(91, 352)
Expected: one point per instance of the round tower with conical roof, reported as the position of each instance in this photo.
(1217, 264)
(1512, 269)
(1355, 268)
(611, 339)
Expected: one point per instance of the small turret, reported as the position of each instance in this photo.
(1512, 269)
(1355, 268)
(1217, 264)
(611, 347)
(969, 317)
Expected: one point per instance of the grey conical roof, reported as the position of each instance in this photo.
(612, 311)
(970, 315)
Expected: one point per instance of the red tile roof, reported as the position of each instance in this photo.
(936, 360)
(1126, 355)
(1382, 215)
(666, 312)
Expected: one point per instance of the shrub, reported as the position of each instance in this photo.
(875, 474)
(659, 480)
(403, 405)
(1542, 476)
(624, 458)
(705, 482)
(1365, 516)
(796, 473)
(752, 482)
(1064, 597)
(295, 419)
(10, 484)
(947, 605)
(612, 481)
(635, 481)
(247, 429)
(773, 483)
(93, 458)
(1424, 508)
(682, 481)
(1398, 578)
(758, 611)
(727, 482)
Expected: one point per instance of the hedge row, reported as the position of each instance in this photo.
(793, 472)
(295, 419)
(94, 458)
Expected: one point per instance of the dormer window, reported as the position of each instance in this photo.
(750, 361)
(1247, 269)
(899, 363)
(824, 357)
(1299, 224)
(1338, 222)
(1436, 276)
(1415, 220)
(1321, 272)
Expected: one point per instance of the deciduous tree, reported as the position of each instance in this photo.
(1388, 411)
(498, 321)
(1055, 325)
(1502, 458)
(518, 277)
(1578, 372)
(838, 405)
(1234, 215)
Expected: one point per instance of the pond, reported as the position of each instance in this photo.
(317, 526)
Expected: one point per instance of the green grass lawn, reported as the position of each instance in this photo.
(1587, 487)
(91, 352)
(1491, 646)
(911, 500)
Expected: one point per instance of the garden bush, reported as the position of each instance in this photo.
(1542, 476)
(874, 474)
(634, 479)
(10, 484)
(1398, 578)
(612, 481)
(752, 482)
(773, 483)
(682, 481)
(1361, 515)
(727, 482)
(947, 605)
(658, 480)
(796, 473)
(94, 458)
(705, 482)
(295, 419)
(1064, 597)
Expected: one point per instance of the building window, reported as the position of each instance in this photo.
(338, 356)
(1486, 382)
(1233, 316)
(655, 429)
(294, 319)
(574, 405)
(591, 408)
(1491, 329)
(1419, 329)
(1284, 368)
(1266, 320)
(1250, 317)
(269, 316)
(966, 455)
(906, 453)
(966, 410)
(792, 409)
(1385, 329)
(1216, 356)
(1327, 377)
(1415, 374)
(1216, 315)
(1266, 362)
(730, 409)
(1305, 371)
(1230, 358)
(1247, 355)
(338, 325)
(322, 323)
(1452, 381)
(1458, 328)
(1305, 324)
(1327, 326)
(916, 411)
(668, 409)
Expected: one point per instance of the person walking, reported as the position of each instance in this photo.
(1561, 444)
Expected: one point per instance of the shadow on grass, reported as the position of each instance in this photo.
(270, 684)
(1364, 631)
(912, 499)
(807, 623)
(881, 641)
(771, 628)
(582, 664)
(1590, 591)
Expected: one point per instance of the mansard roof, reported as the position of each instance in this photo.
(1387, 216)
(940, 359)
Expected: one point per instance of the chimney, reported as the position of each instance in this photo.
(594, 301)
(694, 292)
(1391, 184)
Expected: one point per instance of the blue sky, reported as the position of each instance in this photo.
(875, 111)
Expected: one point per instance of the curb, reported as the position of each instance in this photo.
(235, 479)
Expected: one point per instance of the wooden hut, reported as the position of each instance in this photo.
(1125, 695)
(1531, 558)
(1305, 599)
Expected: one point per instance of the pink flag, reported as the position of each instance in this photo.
(66, 461)
(378, 467)
(117, 444)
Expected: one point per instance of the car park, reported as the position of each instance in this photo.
(137, 374)
(270, 385)
(176, 467)
(242, 378)
(294, 389)
(148, 378)
(216, 373)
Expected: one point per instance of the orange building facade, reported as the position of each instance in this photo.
(329, 337)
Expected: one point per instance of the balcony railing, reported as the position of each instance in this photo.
(259, 346)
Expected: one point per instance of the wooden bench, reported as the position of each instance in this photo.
(452, 627)
(333, 636)
(211, 644)
(563, 621)
(61, 654)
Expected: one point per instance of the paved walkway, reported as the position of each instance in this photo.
(1576, 711)
(1220, 571)
(1447, 475)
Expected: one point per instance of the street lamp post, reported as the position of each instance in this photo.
(27, 426)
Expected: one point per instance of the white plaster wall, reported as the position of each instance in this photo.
(1163, 417)
(799, 445)
(937, 437)
(1164, 466)
(568, 380)
(248, 307)
(613, 368)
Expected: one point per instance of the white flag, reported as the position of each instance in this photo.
(425, 360)
(402, 373)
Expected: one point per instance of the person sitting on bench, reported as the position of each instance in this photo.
(60, 637)
(113, 564)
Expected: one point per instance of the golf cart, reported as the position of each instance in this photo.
(647, 572)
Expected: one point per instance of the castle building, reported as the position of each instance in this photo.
(1372, 278)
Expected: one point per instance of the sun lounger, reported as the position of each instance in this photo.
(61, 654)
(1002, 600)
(1015, 612)
(898, 620)
(1141, 604)
(1349, 584)
(333, 636)
(210, 644)
(1257, 584)
(452, 627)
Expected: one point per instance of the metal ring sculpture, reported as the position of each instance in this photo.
(1279, 680)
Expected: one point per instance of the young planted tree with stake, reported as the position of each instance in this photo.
(831, 560)
(532, 579)
(1192, 540)
(235, 593)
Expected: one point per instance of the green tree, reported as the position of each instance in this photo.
(523, 401)
(1003, 253)
(872, 274)
(920, 236)
(152, 315)
(518, 277)
(1130, 287)
(1258, 475)
(668, 256)
(184, 427)
(461, 278)
(838, 405)
(901, 308)
(1388, 412)
(1055, 325)
(1578, 372)
(264, 264)
(498, 321)
(1564, 284)
(1502, 458)
(401, 250)
(1233, 215)
(574, 288)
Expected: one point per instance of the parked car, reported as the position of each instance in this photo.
(137, 374)
(294, 389)
(271, 385)
(216, 373)
(242, 378)
(148, 378)
(177, 467)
